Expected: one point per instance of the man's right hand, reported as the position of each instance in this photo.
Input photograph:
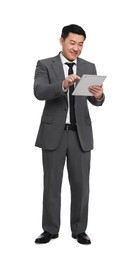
(70, 80)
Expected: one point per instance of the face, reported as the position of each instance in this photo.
(72, 46)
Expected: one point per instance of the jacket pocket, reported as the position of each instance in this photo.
(47, 119)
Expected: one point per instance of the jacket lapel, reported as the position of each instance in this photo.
(80, 67)
(58, 68)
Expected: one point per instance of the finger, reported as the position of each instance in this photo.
(95, 89)
(74, 78)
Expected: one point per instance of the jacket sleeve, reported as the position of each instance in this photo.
(44, 89)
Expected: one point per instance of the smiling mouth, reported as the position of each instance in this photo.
(74, 53)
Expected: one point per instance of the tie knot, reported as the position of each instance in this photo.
(70, 64)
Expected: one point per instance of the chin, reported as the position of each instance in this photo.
(73, 57)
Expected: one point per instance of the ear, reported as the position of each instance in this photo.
(61, 41)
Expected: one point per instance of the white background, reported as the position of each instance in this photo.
(30, 30)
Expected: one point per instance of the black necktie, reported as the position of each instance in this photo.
(71, 97)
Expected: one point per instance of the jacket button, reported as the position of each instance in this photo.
(65, 109)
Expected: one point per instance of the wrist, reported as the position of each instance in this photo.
(63, 87)
(99, 97)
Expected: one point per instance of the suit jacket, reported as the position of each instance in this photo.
(49, 76)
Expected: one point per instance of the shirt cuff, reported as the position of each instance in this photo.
(65, 90)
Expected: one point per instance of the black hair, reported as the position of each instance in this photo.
(73, 28)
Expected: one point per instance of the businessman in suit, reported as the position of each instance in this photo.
(65, 132)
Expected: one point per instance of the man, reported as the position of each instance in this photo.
(65, 132)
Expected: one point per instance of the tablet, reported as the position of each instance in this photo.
(86, 81)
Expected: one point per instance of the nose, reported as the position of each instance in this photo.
(76, 47)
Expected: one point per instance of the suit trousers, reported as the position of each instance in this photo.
(78, 167)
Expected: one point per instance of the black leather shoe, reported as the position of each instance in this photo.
(45, 237)
(82, 238)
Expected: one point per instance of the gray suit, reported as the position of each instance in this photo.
(53, 140)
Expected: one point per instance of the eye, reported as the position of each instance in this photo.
(72, 43)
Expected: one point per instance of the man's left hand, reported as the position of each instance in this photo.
(97, 91)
